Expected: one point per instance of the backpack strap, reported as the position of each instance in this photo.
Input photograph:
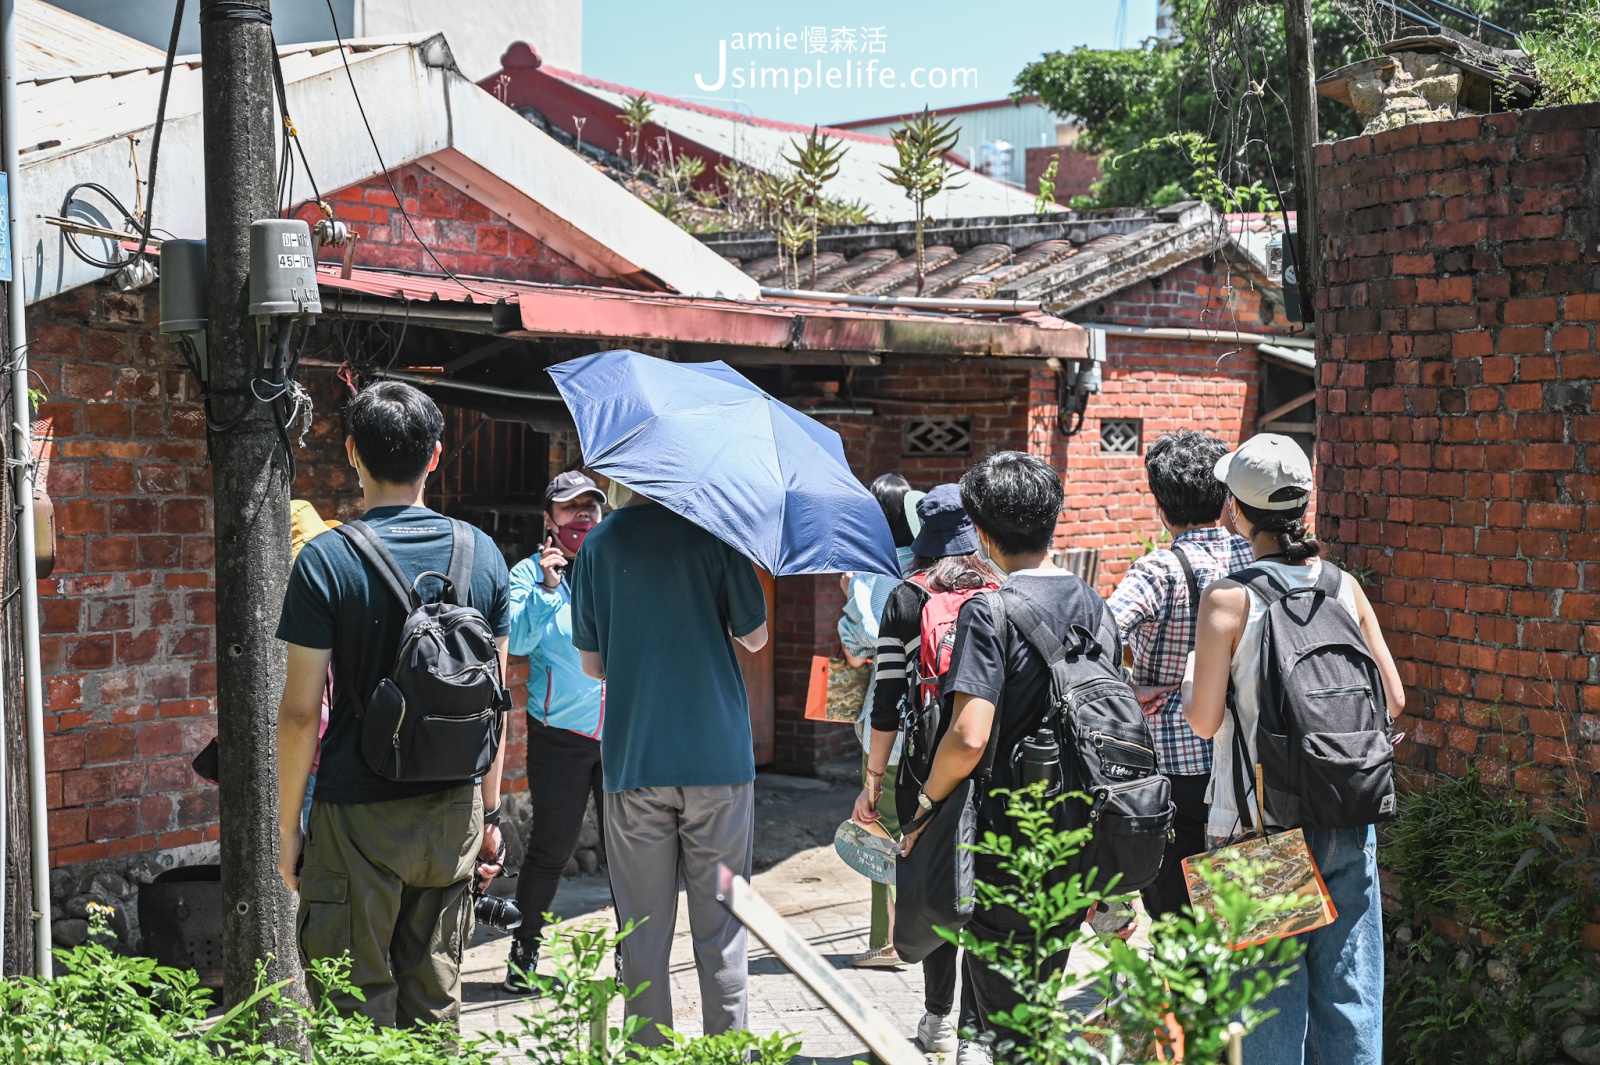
(369, 546)
(1194, 584)
(1241, 766)
(1045, 643)
(463, 546)
(1261, 582)
(1002, 625)
(1329, 580)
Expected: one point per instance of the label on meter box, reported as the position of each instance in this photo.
(294, 262)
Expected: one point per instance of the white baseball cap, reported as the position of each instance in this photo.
(1268, 472)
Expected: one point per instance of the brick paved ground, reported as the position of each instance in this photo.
(798, 873)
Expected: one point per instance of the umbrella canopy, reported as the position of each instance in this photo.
(706, 443)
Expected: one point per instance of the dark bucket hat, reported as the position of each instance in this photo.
(946, 528)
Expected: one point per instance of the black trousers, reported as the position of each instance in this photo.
(1168, 893)
(563, 771)
(993, 993)
(939, 987)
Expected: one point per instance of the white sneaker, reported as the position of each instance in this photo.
(936, 1034)
(970, 1053)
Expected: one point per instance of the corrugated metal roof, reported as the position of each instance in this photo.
(51, 39)
(557, 310)
(67, 111)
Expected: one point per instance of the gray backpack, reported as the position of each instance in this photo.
(440, 713)
(1323, 738)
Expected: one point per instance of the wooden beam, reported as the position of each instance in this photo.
(478, 354)
(882, 1036)
(1284, 408)
(802, 358)
(1288, 427)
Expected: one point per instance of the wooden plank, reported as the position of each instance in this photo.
(1284, 408)
(881, 1035)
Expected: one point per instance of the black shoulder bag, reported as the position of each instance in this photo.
(934, 886)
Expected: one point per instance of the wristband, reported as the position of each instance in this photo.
(492, 817)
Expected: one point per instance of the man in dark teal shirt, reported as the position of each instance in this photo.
(657, 605)
(387, 865)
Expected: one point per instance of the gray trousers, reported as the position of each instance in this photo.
(654, 835)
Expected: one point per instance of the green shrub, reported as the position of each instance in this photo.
(1192, 974)
(1461, 853)
(1566, 53)
(107, 1009)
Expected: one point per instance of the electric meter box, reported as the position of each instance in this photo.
(283, 269)
(183, 286)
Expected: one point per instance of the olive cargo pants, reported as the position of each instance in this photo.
(390, 882)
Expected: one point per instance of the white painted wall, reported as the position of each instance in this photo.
(480, 31)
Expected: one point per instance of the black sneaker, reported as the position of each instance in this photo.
(524, 959)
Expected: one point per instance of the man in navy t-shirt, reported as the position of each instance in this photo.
(657, 605)
(387, 867)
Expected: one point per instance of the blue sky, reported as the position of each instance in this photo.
(957, 51)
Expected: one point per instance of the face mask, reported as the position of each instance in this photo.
(617, 495)
(572, 533)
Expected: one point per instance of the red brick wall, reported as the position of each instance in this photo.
(1170, 385)
(467, 237)
(1075, 170)
(127, 613)
(1459, 448)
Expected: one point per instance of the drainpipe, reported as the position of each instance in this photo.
(22, 452)
(906, 303)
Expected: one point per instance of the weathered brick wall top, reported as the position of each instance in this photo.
(1459, 442)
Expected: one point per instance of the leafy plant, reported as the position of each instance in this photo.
(816, 162)
(104, 1008)
(921, 169)
(1193, 978)
(1221, 77)
(1046, 199)
(636, 113)
(1566, 53)
(1203, 182)
(1463, 855)
(1148, 544)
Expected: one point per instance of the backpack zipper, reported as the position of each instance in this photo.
(1348, 689)
(395, 740)
(1101, 739)
(1105, 791)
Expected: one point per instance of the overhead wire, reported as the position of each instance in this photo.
(399, 200)
(144, 224)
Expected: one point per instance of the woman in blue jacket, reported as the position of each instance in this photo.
(565, 712)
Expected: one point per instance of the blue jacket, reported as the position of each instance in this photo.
(559, 695)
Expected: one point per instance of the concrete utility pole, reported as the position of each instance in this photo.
(1303, 124)
(250, 493)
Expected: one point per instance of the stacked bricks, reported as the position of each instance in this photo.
(127, 613)
(1460, 447)
(1170, 385)
(465, 236)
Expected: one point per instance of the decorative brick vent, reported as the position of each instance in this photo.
(938, 436)
(1121, 436)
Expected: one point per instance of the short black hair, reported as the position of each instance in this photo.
(890, 490)
(1015, 499)
(395, 428)
(1181, 468)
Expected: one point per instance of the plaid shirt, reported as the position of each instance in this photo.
(1157, 622)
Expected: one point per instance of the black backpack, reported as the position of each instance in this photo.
(439, 714)
(1323, 737)
(1107, 749)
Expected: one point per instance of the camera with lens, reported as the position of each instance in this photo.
(495, 911)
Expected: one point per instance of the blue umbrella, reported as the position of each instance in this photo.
(706, 443)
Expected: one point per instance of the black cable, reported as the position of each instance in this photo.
(292, 135)
(1476, 20)
(399, 200)
(128, 220)
(161, 121)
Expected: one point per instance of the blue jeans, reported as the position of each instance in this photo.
(1331, 1010)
